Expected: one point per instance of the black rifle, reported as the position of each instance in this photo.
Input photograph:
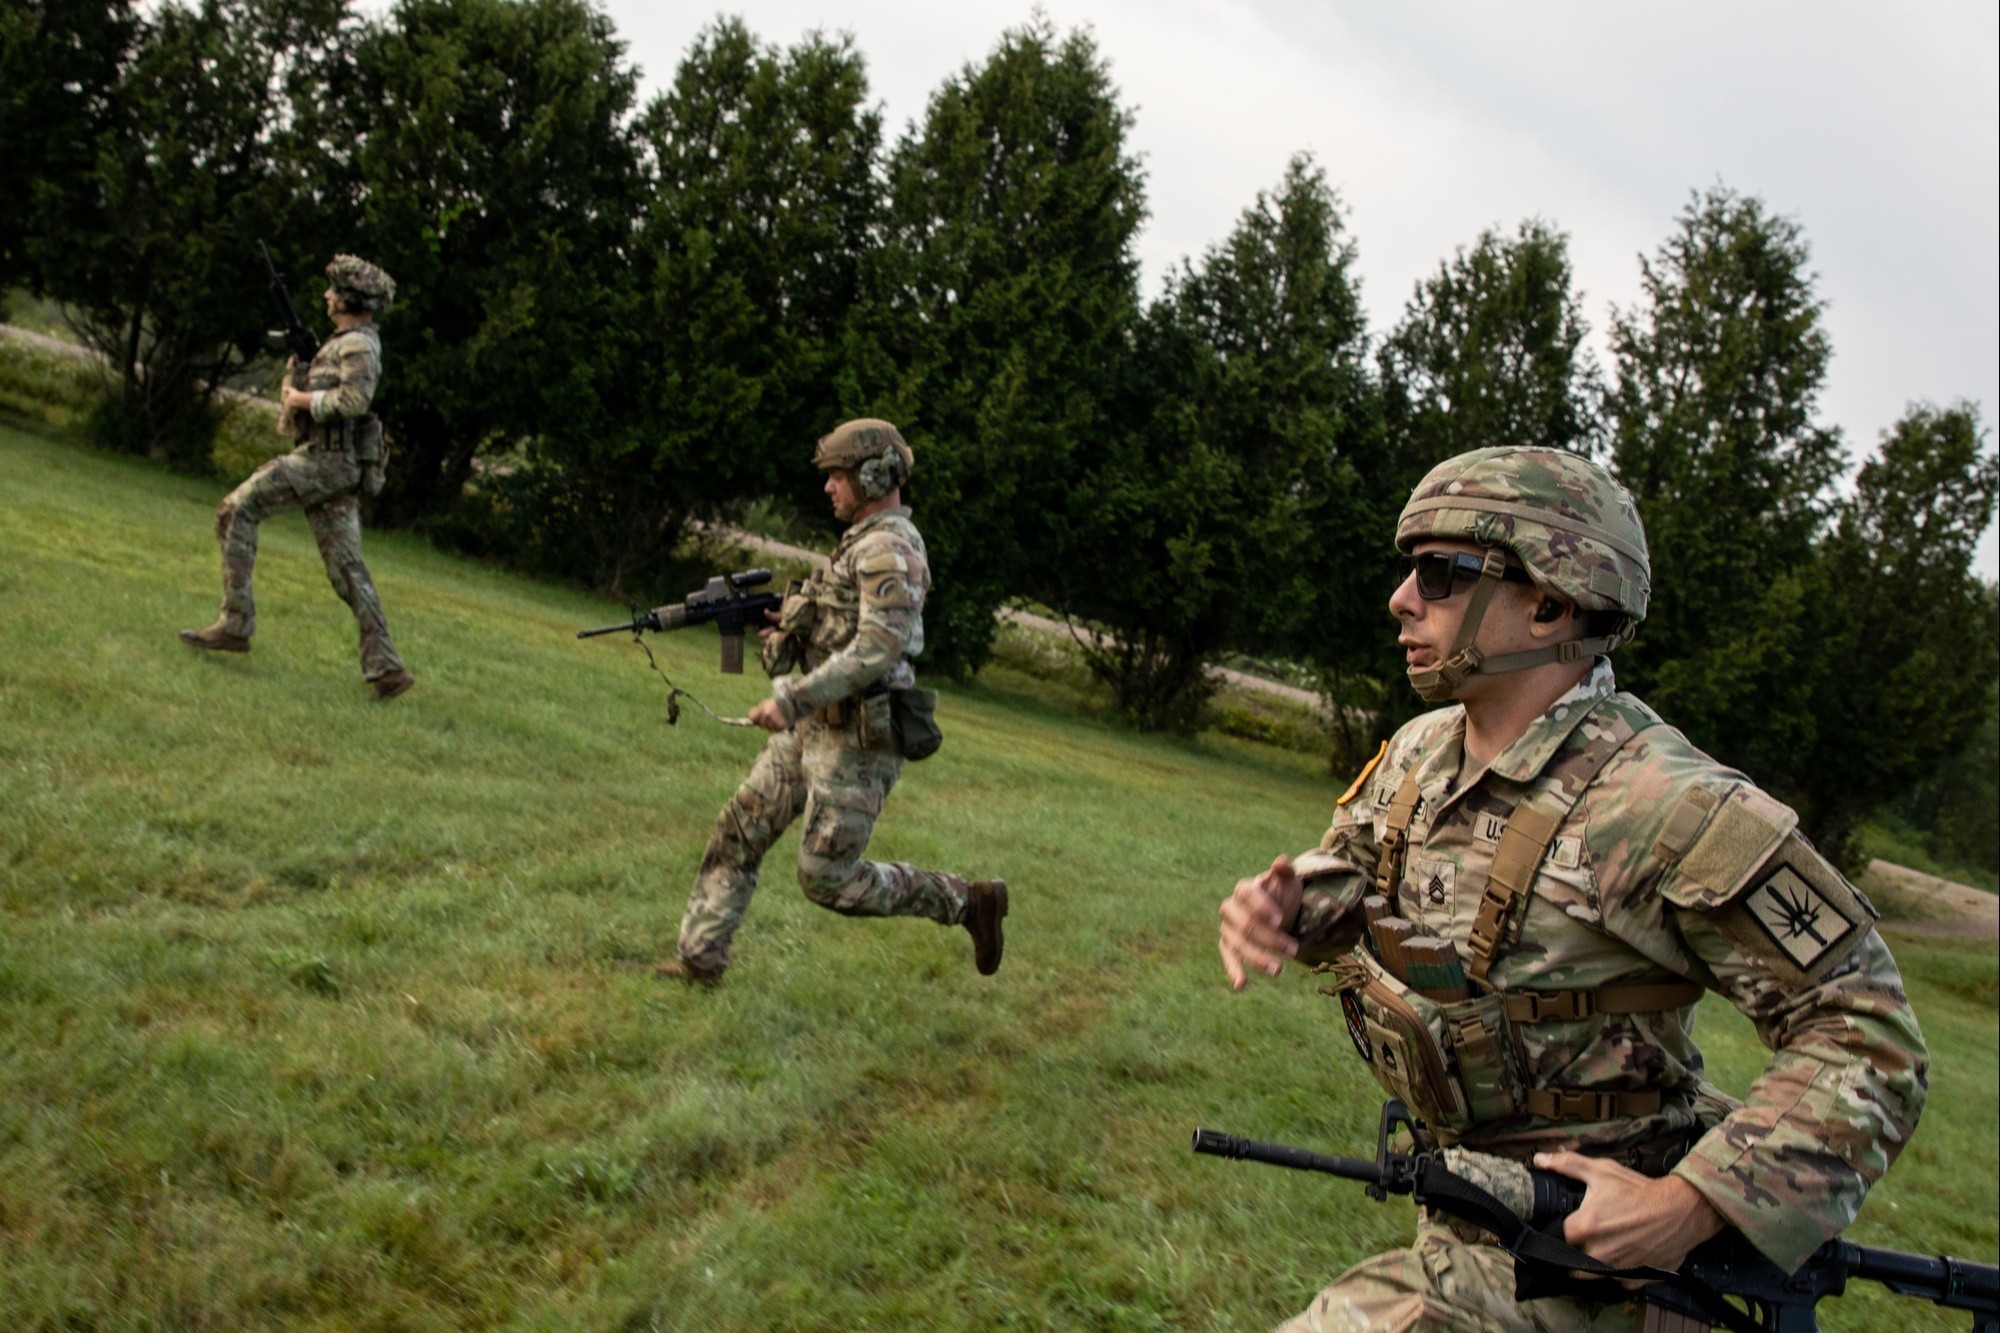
(295, 335)
(1728, 1266)
(727, 601)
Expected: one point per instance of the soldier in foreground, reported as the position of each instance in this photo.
(853, 628)
(1548, 878)
(339, 454)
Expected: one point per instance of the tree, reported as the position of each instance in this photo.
(999, 313)
(1248, 381)
(1490, 351)
(1900, 634)
(762, 206)
(200, 155)
(491, 167)
(60, 69)
(1714, 431)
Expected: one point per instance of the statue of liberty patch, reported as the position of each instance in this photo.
(1800, 920)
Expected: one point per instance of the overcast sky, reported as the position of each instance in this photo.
(1877, 127)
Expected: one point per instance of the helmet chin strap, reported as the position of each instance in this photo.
(1438, 684)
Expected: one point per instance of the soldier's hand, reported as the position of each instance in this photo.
(770, 632)
(1256, 919)
(1629, 1220)
(768, 715)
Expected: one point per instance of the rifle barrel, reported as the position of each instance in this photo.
(607, 629)
(1959, 1283)
(1217, 1144)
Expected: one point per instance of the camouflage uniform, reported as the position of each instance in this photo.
(321, 476)
(1661, 874)
(837, 762)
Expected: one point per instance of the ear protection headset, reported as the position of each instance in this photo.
(879, 475)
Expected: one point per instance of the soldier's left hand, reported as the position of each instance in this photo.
(1629, 1220)
(768, 715)
(296, 400)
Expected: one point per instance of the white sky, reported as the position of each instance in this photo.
(1877, 127)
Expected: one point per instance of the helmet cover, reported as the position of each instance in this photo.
(350, 273)
(1565, 518)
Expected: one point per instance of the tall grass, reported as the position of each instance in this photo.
(321, 1014)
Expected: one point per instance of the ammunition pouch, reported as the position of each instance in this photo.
(913, 719)
(1454, 1065)
(1459, 1065)
(906, 718)
(369, 447)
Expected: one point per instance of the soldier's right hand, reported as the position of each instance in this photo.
(1256, 920)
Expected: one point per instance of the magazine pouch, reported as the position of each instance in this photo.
(1453, 1064)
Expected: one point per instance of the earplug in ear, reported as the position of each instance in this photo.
(1550, 609)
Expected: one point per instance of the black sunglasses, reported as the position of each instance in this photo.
(1442, 573)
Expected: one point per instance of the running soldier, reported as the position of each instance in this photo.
(1549, 877)
(833, 754)
(339, 455)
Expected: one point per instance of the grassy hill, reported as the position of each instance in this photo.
(322, 1014)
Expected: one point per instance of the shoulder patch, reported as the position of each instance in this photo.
(1354, 788)
(1726, 849)
(1800, 915)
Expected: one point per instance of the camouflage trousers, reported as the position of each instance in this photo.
(321, 482)
(1444, 1283)
(839, 785)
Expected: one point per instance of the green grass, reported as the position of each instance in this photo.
(319, 1014)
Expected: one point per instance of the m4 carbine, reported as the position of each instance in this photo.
(1724, 1283)
(726, 601)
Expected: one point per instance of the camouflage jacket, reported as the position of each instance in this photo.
(866, 617)
(343, 376)
(1669, 863)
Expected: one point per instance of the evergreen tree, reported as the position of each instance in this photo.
(493, 170)
(1899, 635)
(1000, 312)
(1248, 381)
(1714, 429)
(60, 64)
(1489, 352)
(198, 152)
(760, 211)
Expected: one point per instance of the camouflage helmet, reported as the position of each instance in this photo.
(375, 289)
(1562, 516)
(873, 448)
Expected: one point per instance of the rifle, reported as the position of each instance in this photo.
(726, 600)
(295, 335)
(1687, 1301)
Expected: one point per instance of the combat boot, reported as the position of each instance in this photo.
(389, 686)
(985, 905)
(215, 639)
(690, 973)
